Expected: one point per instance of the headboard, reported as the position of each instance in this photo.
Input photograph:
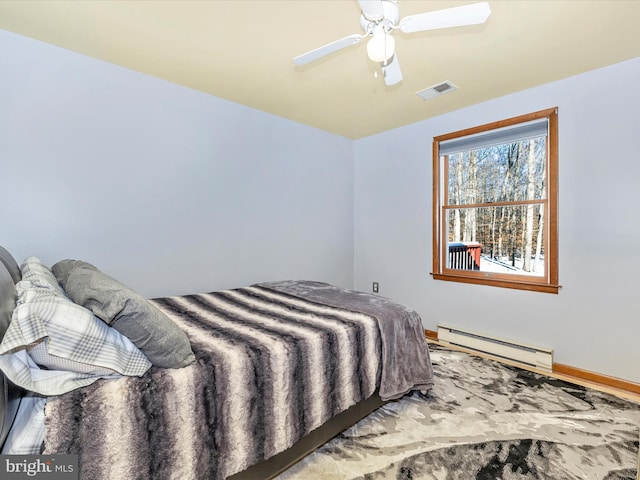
(12, 266)
(9, 393)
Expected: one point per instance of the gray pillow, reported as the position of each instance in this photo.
(155, 334)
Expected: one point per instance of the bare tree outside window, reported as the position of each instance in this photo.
(495, 204)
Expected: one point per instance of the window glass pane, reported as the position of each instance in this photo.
(503, 239)
(502, 173)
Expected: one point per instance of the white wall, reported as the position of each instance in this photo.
(168, 189)
(593, 323)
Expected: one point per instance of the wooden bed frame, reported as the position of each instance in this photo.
(10, 396)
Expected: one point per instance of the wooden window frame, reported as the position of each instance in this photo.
(547, 283)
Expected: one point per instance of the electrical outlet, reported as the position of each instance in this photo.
(376, 287)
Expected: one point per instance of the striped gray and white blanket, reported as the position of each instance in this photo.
(271, 367)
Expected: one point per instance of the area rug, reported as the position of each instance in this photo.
(486, 420)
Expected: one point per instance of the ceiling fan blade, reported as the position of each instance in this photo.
(391, 72)
(449, 17)
(327, 49)
(372, 9)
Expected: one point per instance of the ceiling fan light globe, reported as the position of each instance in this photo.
(381, 47)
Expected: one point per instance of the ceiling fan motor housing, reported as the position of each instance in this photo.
(388, 20)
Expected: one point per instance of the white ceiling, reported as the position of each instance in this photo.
(242, 50)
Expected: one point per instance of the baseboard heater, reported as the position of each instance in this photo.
(538, 357)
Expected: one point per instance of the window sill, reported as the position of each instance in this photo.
(493, 282)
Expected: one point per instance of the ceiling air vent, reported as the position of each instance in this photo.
(435, 90)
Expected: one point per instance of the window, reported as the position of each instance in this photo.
(495, 209)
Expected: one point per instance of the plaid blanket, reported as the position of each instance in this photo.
(75, 347)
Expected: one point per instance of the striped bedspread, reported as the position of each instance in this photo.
(271, 367)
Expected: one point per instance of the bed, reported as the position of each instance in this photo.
(235, 384)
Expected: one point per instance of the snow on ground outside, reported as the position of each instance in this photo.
(487, 264)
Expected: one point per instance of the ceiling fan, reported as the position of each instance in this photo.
(380, 17)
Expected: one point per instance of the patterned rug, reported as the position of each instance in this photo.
(486, 420)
